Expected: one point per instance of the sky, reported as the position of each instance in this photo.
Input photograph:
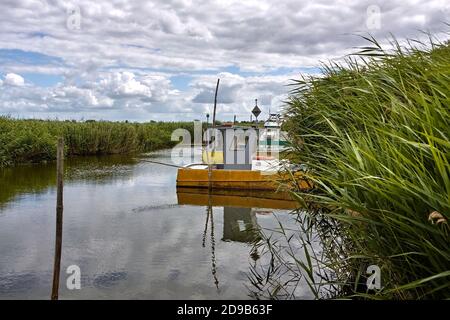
(160, 60)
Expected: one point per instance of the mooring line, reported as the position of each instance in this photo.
(163, 163)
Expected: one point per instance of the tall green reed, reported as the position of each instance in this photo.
(374, 132)
(24, 141)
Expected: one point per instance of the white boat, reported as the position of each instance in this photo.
(271, 138)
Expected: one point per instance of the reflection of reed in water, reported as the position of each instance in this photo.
(38, 178)
(25, 179)
(240, 225)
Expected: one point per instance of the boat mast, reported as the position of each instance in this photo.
(213, 130)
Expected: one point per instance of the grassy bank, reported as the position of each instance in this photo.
(374, 132)
(23, 141)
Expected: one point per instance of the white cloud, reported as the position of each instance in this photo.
(237, 94)
(186, 35)
(107, 91)
(124, 84)
(70, 97)
(147, 96)
(13, 79)
(119, 63)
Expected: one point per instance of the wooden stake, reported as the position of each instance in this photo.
(59, 217)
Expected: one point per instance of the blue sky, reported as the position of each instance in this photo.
(159, 60)
(24, 58)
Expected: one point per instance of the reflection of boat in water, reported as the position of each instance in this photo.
(236, 198)
(240, 211)
(240, 225)
(240, 208)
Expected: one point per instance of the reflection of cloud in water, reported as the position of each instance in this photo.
(155, 207)
(109, 279)
(25, 285)
(18, 282)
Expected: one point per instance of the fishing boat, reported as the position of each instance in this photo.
(271, 137)
(235, 162)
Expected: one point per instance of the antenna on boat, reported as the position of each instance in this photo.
(213, 130)
(215, 104)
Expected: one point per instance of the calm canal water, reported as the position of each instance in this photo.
(124, 228)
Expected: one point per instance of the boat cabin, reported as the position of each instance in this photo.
(232, 148)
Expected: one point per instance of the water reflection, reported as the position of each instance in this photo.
(240, 210)
(130, 232)
(240, 224)
(27, 179)
(210, 217)
(109, 279)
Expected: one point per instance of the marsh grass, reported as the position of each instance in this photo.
(374, 132)
(23, 141)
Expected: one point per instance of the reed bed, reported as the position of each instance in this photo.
(23, 141)
(374, 134)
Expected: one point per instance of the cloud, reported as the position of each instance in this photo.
(13, 79)
(186, 35)
(71, 98)
(237, 94)
(229, 89)
(146, 96)
(124, 53)
(121, 91)
(124, 84)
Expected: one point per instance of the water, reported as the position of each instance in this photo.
(124, 228)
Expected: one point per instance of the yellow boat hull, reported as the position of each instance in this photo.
(237, 179)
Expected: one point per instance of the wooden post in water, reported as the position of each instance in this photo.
(59, 217)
